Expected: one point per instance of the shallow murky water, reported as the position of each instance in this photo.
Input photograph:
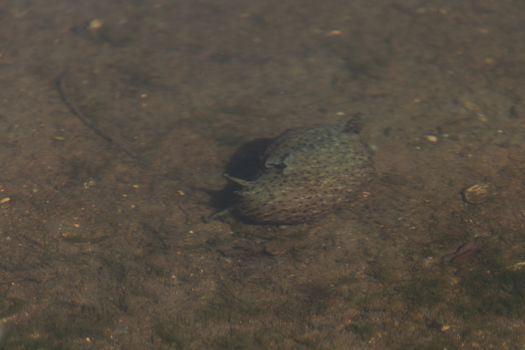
(120, 118)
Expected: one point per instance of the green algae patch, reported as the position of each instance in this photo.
(176, 332)
(493, 292)
(425, 291)
(10, 307)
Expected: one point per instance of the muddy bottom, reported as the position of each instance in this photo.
(119, 119)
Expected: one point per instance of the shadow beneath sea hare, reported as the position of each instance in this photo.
(246, 164)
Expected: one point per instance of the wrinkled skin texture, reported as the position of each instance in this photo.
(307, 172)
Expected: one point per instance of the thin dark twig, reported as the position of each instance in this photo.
(60, 85)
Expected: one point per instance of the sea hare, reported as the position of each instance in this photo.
(307, 173)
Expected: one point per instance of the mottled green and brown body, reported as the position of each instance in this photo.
(307, 173)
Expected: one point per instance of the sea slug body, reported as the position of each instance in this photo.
(307, 173)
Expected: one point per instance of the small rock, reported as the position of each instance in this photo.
(95, 25)
(477, 193)
(432, 138)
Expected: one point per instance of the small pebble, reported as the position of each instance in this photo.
(334, 33)
(95, 25)
(471, 106)
(432, 138)
(477, 193)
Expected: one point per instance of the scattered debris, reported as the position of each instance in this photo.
(463, 252)
(89, 183)
(445, 327)
(517, 266)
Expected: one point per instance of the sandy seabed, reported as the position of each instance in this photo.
(119, 118)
